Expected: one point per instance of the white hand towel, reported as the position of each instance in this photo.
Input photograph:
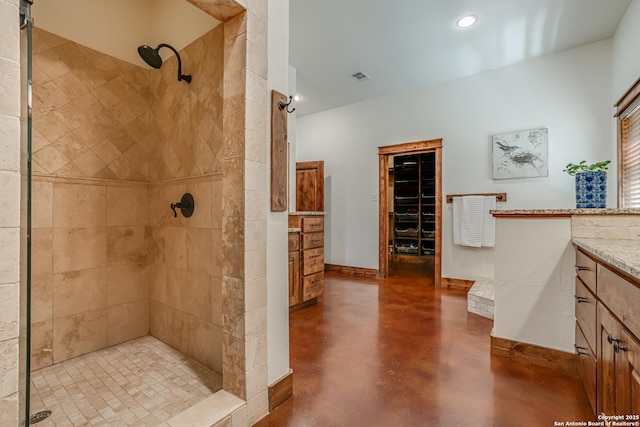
(489, 222)
(457, 219)
(471, 221)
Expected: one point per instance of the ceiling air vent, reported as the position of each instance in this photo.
(360, 76)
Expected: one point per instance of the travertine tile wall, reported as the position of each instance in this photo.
(90, 217)
(605, 226)
(186, 280)
(91, 114)
(186, 270)
(10, 204)
(244, 212)
(93, 238)
(90, 267)
(189, 116)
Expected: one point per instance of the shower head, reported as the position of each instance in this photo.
(152, 57)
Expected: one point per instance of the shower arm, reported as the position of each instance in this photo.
(180, 76)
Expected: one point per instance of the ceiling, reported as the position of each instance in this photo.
(404, 44)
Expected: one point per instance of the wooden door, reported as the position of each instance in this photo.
(628, 377)
(310, 186)
(608, 329)
(294, 278)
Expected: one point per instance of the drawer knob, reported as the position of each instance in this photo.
(314, 257)
(617, 347)
(581, 299)
(610, 339)
(581, 268)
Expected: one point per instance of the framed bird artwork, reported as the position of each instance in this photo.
(521, 154)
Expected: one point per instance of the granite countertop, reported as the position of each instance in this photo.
(309, 213)
(564, 212)
(295, 229)
(624, 254)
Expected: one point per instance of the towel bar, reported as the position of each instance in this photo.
(500, 197)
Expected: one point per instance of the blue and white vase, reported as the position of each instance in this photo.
(591, 189)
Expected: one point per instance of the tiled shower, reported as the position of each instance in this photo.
(95, 239)
(114, 146)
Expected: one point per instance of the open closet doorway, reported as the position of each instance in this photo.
(410, 195)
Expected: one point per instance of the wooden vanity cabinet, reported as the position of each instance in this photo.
(610, 369)
(311, 258)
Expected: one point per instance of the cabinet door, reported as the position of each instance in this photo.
(587, 367)
(310, 186)
(586, 308)
(608, 329)
(294, 278)
(628, 377)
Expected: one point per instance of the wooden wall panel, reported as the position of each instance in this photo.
(279, 153)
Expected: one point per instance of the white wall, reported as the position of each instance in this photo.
(625, 60)
(568, 92)
(277, 237)
(292, 126)
(535, 270)
(625, 66)
(118, 27)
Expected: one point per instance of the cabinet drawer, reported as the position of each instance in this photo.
(312, 286)
(586, 270)
(312, 240)
(621, 297)
(312, 261)
(294, 242)
(586, 309)
(312, 224)
(587, 365)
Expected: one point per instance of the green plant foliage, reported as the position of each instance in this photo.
(573, 168)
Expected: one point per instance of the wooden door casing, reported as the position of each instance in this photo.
(384, 153)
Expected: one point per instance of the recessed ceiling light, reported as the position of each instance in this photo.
(297, 98)
(466, 21)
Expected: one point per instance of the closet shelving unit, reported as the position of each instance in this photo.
(413, 223)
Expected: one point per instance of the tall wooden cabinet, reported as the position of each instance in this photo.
(607, 331)
(306, 282)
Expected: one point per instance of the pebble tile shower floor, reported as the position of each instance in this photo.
(142, 382)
